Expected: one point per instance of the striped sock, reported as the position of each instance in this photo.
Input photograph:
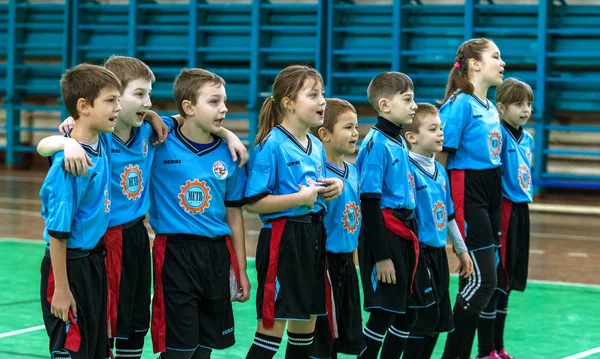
(128, 353)
(298, 346)
(264, 347)
(63, 354)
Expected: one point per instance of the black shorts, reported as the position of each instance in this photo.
(422, 290)
(347, 315)
(477, 197)
(438, 317)
(475, 292)
(290, 266)
(514, 250)
(129, 278)
(85, 337)
(389, 297)
(191, 306)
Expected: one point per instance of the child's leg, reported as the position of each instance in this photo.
(374, 332)
(300, 338)
(485, 329)
(500, 320)
(397, 334)
(414, 347)
(266, 340)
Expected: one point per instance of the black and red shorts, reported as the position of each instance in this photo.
(514, 250)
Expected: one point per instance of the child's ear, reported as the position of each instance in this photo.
(384, 105)
(324, 135)
(410, 137)
(83, 107)
(188, 108)
(501, 108)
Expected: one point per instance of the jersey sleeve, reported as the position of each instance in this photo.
(453, 119)
(169, 122)
(236, 185)
(371, 177)
(449, 203)
(59, 199)
(262, 172)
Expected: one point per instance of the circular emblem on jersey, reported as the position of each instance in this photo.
(220, 170)
(524, 177)
(131, 182)
(439, 215)
(195, 196)
(411, 181)
(106, 200)
(495, 143)
(145, 148)
(351, 217)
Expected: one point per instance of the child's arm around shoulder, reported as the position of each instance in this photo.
(76, 159)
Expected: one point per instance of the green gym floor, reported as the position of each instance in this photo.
(549, 320)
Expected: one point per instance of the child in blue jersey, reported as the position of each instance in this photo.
(435, 219)
(513, 99)
(197, 194)
(287, 186)
(76, 212)
(127, 243)
(339, 134)
(471, 154)
(389, 249)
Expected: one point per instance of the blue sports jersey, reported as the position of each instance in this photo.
(191, 189)
(472, 134)
(434, 204)
(343, 218)
(77, 208)
(516, 166)
(130, 173)
(382, 164)
(279, 164)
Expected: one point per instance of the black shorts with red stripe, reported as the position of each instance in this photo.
(85, 337)
(346, 315)
(128, 266)
(191, 306)
(290, 265)
(513, 273)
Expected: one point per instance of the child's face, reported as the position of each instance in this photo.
(401, 108)
(491, 65)
(345, 134)
(517, 113)
(210, 108)
(135, 102)
(309, 105)
(430, 138)
(105, 110)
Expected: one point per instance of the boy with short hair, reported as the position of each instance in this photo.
(76, 212)
(341, 330)
(197, 217)
(435, 219)
(388, 259)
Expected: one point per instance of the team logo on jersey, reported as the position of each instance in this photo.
(528, 155)
(106, 200)
(524, 177)
(495, 143)
(220, 170)
(131, 182)
(195, 196)
(319, 168)
(145, 148)
(411, 181)
(439, 215)
(444, 185)
(351, 217)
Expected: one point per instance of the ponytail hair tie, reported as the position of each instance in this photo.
(457, 65)
(272, 98)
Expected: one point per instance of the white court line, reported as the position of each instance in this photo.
(564, 236)
(19, 200)
(22, 179)
(20, 212)
(577, 255)
(584, 354)
(537, 251)
(20, 331)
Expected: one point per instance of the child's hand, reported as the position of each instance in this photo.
(244, 290)
(76, 159)
(334, 187)
(158, 125)
(308, 195)
(237, 150)
(386, 272)
(66, 126)
(465, 267)
(62, 302)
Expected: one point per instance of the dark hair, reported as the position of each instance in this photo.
(128, 69)
(189, 82)
(459, 74)
(334, 108)
(388, 84)
(85, 81)
(288, 83)
(512, 91)
(424, 110)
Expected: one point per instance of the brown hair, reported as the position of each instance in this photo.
(188, 83)
(512, 91)
(334, 108)
(459, 74)
(288, 83)
(85, 81)
(424, 110)
(388, 84)
(128, 69)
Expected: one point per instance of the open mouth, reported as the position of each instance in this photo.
(352, 143)
(321, 112)
(141, 115)
(219, 121)
(113, 120)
